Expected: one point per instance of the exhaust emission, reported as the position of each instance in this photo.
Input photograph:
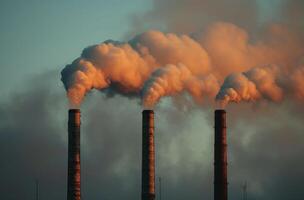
(220, 156)
(74, 155)
(148, 156)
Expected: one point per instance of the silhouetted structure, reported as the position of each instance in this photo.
(220, 156)
(244, 187)
(37, 189)
(148, 156)
(74, 155)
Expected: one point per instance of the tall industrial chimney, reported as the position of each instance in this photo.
(148, 156)
(220, 156)
(74, 155)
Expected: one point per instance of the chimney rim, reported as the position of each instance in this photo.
(220, 111)
(74, 110)
(148, 111)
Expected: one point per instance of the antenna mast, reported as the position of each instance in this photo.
(37, 189)
(159, 179)
(244, 187)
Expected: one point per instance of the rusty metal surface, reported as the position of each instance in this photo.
(220, 156)
(148, 156)
(73, 192)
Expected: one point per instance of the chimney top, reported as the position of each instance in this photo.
(148, 111)
(74, 110)
(220, 111)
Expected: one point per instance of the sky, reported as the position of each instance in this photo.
(38, 38)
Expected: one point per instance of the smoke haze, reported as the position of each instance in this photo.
(155, 64)
(260, 151)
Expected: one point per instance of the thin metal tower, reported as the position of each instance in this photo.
(244, 187)
(37, 189)
(159, 179)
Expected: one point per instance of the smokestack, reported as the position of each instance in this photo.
(220, 156)
(74, 155)
(148, 156)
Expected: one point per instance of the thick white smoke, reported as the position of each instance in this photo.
(297, 83)
(221, 63)
(124, 68)
(174, 79)
(257, 83)
(263, 83)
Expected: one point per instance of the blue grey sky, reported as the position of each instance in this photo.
(41, 35)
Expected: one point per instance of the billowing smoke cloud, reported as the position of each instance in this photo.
(263, 83)
(123, 68)
(257, 83)
(155, 64)
(297, 83)
(189, 16)
(174, 79)
(101, 66)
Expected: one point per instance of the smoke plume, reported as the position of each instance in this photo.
(263, 83)
(257, 83)
(155, 64)
(174, 79)
(126, 68)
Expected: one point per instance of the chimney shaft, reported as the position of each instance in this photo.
(220, 156)
(148, 156)
(74, 155)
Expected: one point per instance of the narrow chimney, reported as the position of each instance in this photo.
(220, 156)
(74, 155)
(148, 156)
